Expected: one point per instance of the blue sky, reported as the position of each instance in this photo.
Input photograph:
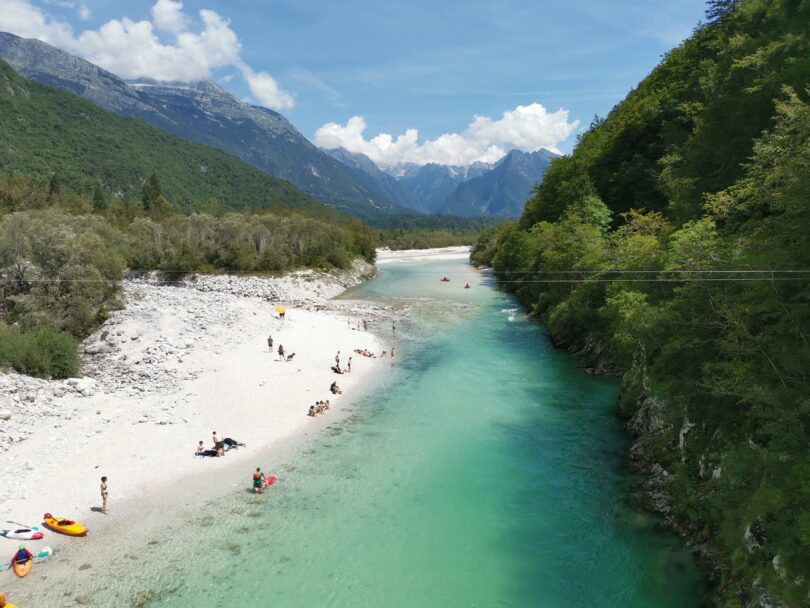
(425, 65)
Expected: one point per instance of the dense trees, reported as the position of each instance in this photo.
(62, 255)
(678, 227)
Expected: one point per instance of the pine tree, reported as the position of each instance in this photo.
(150, 192)
(99, 200)
(717, 9)
(54, 187)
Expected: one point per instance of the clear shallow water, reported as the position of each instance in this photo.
(485, 472)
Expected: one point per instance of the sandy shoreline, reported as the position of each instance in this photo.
(386, 256)
(176, 364)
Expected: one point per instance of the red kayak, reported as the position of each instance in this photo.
(269, 481)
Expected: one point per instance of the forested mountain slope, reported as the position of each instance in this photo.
(205, 113)
(672, 245)
(44, 130)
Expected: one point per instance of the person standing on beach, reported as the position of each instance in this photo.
(281, 352)
(219, 444)
(337, 359)
(270, 343)
(349, 365)
(365, 325)
(392, 352)
(104, 496)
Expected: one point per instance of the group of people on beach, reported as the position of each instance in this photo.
(320, 407)
(362, 325)
(221, 445)
(339, 370)
(282, 354)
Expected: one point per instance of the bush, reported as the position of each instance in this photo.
(41, 352)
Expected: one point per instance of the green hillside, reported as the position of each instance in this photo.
(43, 130)
(672, 245)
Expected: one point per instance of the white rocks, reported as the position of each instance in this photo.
(5, 414)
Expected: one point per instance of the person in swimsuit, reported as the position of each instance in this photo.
(258, 480)
(219, 444)
(104, 495)
(281, 352)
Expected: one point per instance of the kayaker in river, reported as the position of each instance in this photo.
(258, 480)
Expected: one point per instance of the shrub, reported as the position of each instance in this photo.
(40, 352)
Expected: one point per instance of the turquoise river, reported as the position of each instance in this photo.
(486, 470)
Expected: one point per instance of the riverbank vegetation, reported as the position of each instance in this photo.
(671, 244)
(63, 254)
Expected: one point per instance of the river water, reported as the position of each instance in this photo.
(487, 470)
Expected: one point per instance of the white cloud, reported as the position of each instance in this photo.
(168, 16)
(526, 128)
(84, 12)
(266, 90)
(134, 49)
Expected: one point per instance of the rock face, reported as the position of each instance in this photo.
(503, 191)
(500, 189)
(205, 113)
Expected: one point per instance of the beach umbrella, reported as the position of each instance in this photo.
(280, 309)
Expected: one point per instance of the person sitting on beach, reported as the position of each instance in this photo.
(22, 556)
(335, 389)
(219, 444)
(319, 407)
(326, 404)
(232, 444)
(336, 369)
(201, 451)
(313, 411)
(258, 480)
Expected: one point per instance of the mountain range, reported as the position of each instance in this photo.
(46, 131)
(205, 113)
(498, 189)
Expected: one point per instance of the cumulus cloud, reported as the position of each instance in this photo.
(165, 48)
(265, 88)
(168, 16)
(527, 128)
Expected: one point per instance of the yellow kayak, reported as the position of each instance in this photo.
(65, 526)
(22, 569)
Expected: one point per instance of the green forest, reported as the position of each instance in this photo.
(45, 131)
(63, 254)
(672, 246)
